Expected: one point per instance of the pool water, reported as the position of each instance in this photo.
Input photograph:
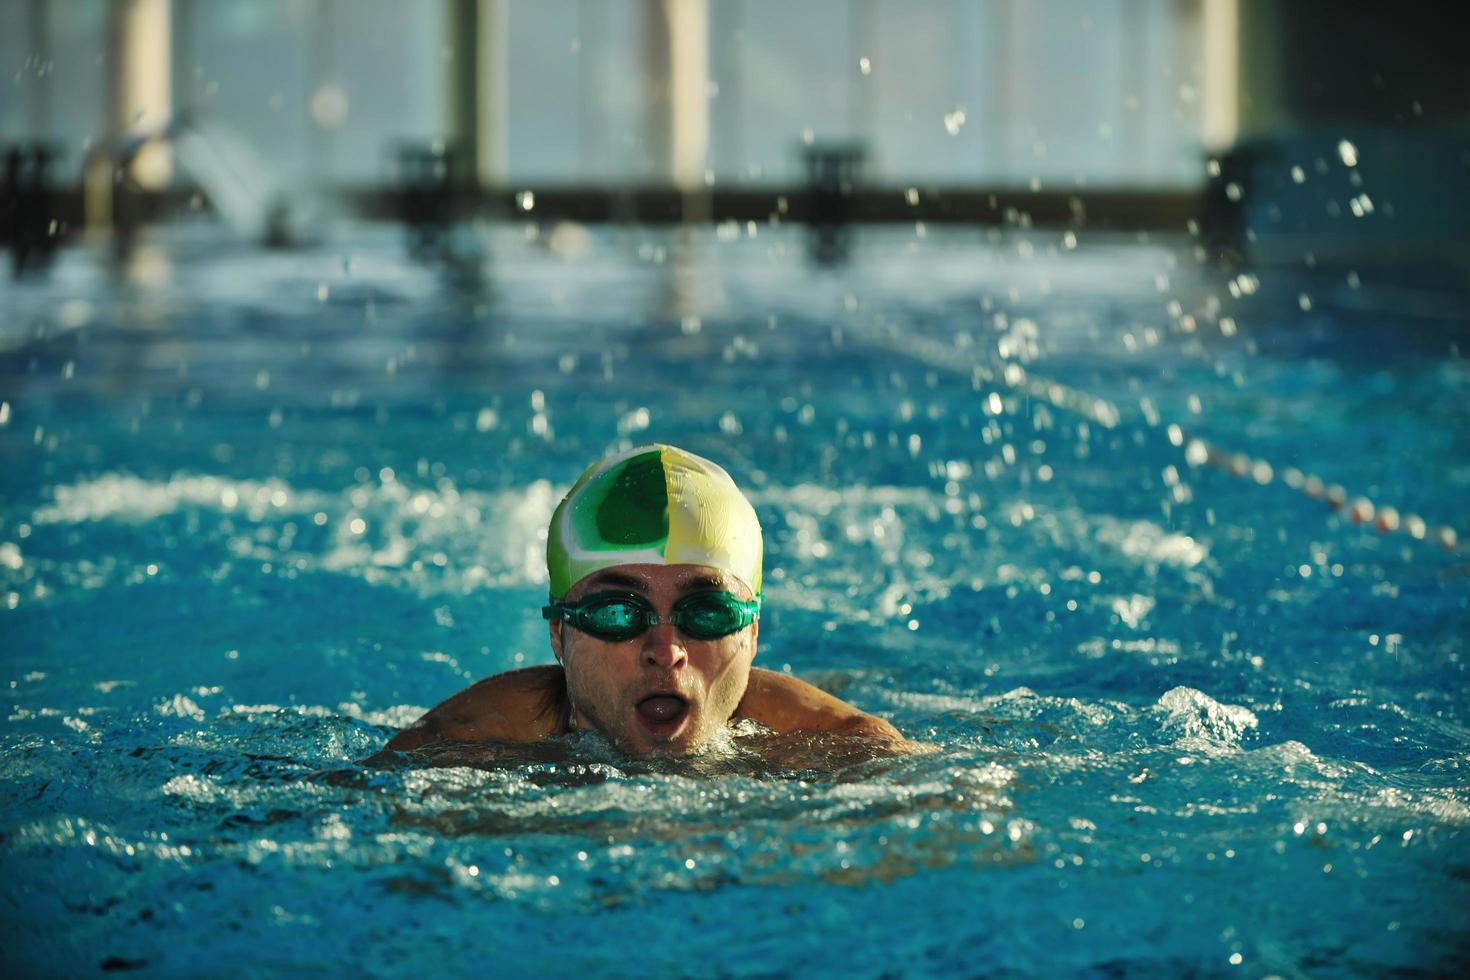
(1048, 505)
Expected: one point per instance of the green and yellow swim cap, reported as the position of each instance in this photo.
(654, 505)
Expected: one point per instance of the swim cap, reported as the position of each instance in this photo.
(654, 505)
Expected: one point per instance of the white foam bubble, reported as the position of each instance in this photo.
(123, 497)
(1132, 609)
(1149, 541)
(429, 540)
(398, 716)
(814, 498)
(1184, 712)
(179, 706)
(190, 787)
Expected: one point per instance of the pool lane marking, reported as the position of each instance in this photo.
(1197, 451)
(1360, 510)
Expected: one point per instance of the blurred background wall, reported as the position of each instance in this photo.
(1282, 128)
(1006, 92)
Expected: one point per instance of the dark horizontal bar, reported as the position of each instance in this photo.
(1121, 209)
(1116, 209)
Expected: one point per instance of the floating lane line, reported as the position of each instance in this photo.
(1197, 451)
(1360, 510)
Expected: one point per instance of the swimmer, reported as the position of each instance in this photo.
(654, 557)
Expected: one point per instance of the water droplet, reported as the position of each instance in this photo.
(329, 106)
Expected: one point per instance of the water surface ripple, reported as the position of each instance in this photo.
(259, 511)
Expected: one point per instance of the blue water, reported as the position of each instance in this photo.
(258, 510)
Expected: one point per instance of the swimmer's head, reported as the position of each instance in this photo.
(654, 505)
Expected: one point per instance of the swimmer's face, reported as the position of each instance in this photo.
(662, 692)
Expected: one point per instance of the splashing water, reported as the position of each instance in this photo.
(1161, 746)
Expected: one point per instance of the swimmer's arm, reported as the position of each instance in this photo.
(785, 704)
(519, 706)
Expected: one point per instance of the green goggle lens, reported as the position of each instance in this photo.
(620, 616)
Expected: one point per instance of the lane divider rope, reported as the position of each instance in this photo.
(1197, 451)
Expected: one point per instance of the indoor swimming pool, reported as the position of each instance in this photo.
(1055, 504)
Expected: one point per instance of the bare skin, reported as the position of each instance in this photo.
(702, 685)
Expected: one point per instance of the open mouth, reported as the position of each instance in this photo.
(662, 713)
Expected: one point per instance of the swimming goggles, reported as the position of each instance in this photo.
(620, 616)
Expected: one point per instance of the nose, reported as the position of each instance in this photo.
(662, 647)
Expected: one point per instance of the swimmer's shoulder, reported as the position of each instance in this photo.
(787, 704)
(524, 705)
